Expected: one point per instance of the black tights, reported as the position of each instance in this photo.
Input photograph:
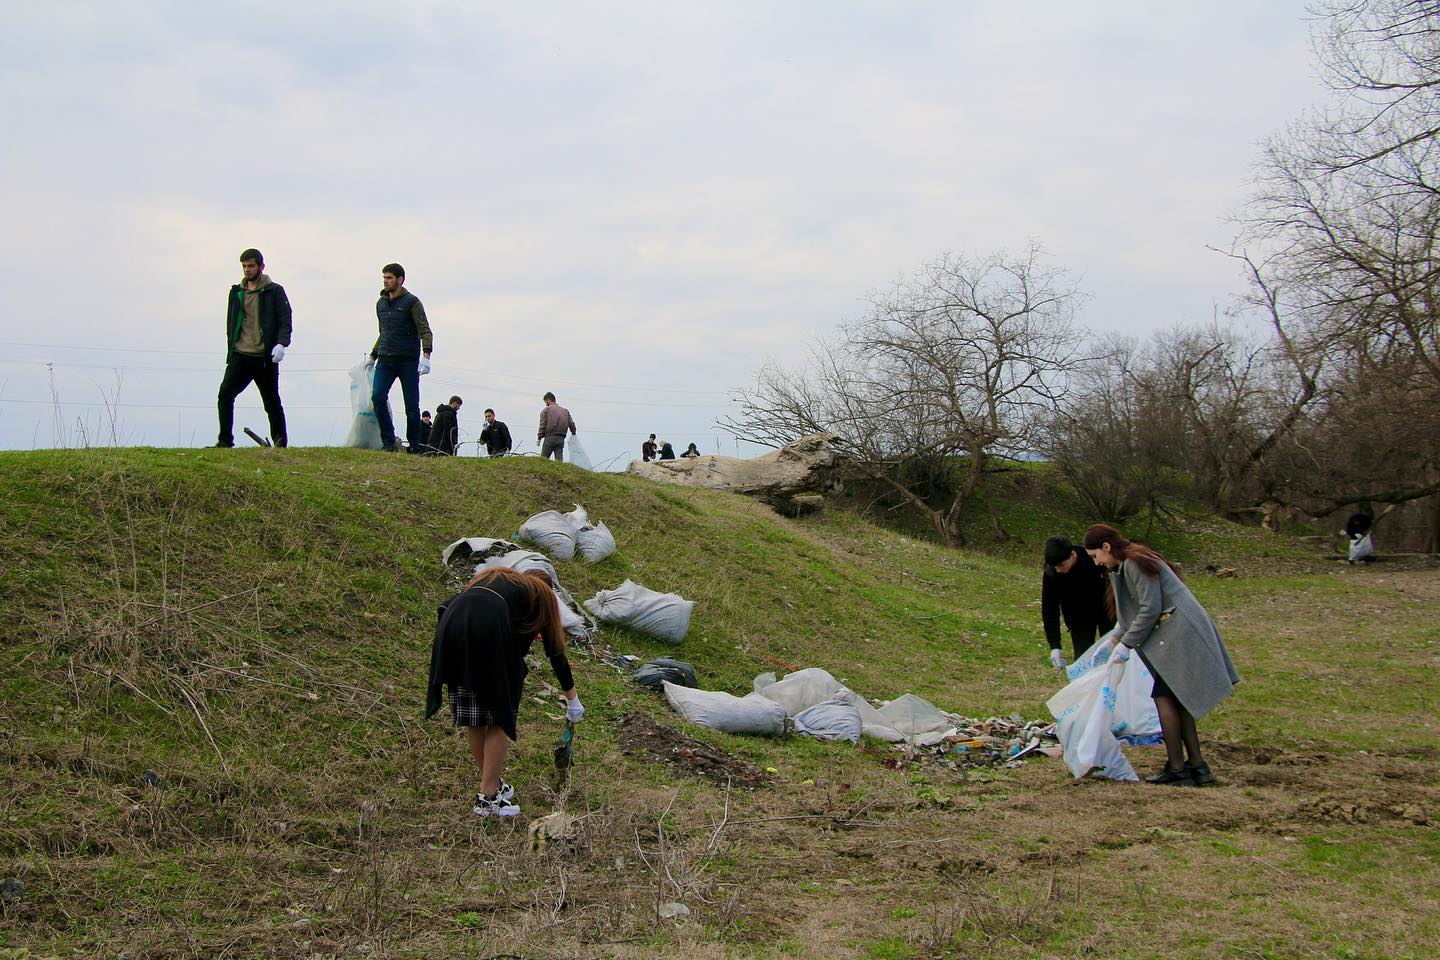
(1177, 726)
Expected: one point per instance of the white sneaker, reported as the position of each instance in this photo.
(495, 806)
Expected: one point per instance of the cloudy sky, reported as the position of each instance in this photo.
(631, 204)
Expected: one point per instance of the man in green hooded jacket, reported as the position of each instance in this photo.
(257, 331)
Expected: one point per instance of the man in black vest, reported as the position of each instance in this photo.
(257, 331)
(1072, 586)
(397, 355)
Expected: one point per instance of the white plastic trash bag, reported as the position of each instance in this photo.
(912, 715)
(805, 688)
(552, 532)
(665, 616)
(577, 454)
(595, 543)
(1134, 718)
(837, 719)
(751, 713)
(1083, 712)
(799, 690)
(364, 428)
(1360, 548)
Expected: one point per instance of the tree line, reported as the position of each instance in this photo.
(1316, 393)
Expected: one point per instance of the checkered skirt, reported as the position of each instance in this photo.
(467, 710)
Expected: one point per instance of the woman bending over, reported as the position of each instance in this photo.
(481, 640)
(1158, 617)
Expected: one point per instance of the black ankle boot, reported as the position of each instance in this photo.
(1200, 773)
(1173, 778)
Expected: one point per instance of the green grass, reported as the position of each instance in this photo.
(252, 627)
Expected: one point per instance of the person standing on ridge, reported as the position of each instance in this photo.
(257, 331)
(555, 422)
(1073, 587)
(401, 352)
(495, 436)
(647, 449)
(445, 431)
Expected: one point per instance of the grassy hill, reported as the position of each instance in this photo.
(211, 691)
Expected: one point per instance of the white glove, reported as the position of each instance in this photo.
(1120, 654)
(424, 366)
(1057, 659)
(574, 709)
(278, 353)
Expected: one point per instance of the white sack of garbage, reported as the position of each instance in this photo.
(665, 616)
(750, 714)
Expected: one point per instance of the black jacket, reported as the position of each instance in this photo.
(274, 317)
(1079, 596)
(445, 430)
(476, 648)
(496, 437)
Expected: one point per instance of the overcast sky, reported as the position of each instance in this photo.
(633, 205)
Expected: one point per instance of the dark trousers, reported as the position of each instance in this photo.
(407, 371)
(1082, 637)
(240, 372)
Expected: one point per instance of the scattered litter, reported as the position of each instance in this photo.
(665, 616)
(980, 743)
(558, 827)
(673, 911)
(661, 669)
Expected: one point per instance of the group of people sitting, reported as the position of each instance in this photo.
(650, 450)
(440, 434)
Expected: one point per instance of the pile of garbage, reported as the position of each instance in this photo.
(465, 558)
(991, 742)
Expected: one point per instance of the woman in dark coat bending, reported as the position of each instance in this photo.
(1158, 617)
(481, 640)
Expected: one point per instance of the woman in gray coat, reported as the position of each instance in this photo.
(1159, 617)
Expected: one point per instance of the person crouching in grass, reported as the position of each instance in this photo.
(481, 639)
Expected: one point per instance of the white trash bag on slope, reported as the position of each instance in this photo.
(364, 428)
(665, 616)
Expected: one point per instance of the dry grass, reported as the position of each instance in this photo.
(213, 748)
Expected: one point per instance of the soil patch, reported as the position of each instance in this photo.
(643, 736)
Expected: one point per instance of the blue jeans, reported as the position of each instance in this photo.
(387, 371)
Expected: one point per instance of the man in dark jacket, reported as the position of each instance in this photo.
(495, 436)
(425, 425)
(397, 355)
(647, 449)
(257, 331)
(1072, 586)
(445, 429)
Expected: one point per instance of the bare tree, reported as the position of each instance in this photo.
(947, 371)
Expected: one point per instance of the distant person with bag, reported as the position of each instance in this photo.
(1357, 532)
(1072, 587)
(690, 452)
(1159, 618)
(555, 422)
(495, 436)
(257, 331)
(481, 640)
(445, 433)
(401, 352)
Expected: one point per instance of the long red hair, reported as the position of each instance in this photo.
(540, 601)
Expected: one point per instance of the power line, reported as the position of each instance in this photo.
(350, 353)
